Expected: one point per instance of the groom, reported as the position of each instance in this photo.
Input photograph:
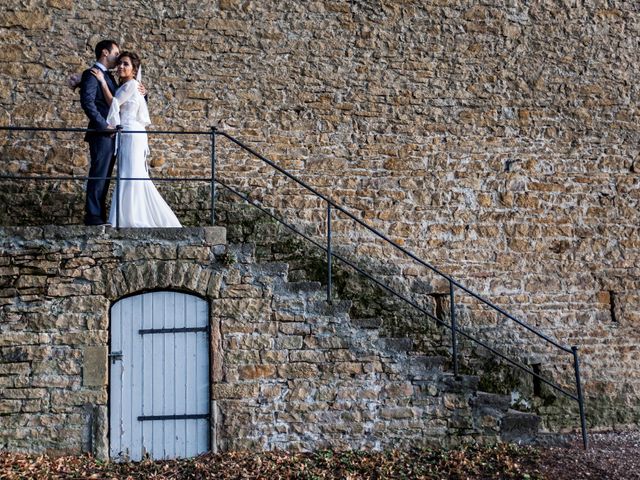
(101, 145)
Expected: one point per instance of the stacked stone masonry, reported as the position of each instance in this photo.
(288, 369)
(497, 140)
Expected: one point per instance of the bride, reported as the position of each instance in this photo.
(140, 204)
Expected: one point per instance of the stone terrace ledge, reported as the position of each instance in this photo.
(213, 235)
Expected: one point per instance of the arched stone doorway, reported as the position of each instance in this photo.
(159, 370)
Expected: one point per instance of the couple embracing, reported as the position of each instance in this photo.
(108, 104)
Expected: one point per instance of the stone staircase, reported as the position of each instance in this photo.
(288, 370)
(492, 413)
(326, 380)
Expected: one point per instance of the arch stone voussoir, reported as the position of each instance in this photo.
(164, 273)
(116, 284)
(134, 277)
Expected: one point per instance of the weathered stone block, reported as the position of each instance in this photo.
(250, 309)
(253, 342)
(239, 357)
(69, 400)
(347, 368)
(215, 235)
(20, 368)
(274, 356)
(295, 328)
(252, 372)
(397, 413)
(309, 356)
(235, 391)
(26, 281)
(24, 393)
(94, 367)
(23, 338)
(54, 381)
(10, 406)
(290, 342)
(29, 20)
(243, 291)
(398, 389)
(298, 370)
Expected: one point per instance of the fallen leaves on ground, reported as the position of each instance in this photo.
(500, 462)
(612, 455)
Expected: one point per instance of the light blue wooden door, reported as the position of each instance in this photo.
(159, 382)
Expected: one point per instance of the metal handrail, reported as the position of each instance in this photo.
(394, 244)
(214, 132)
(394, 292)
(454, 329)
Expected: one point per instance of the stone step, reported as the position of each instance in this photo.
(460, 384)
(478, 413)
(242, 252)
(421, 371)
(299, 293)
(296, 288)
(487, 410)
(491, 402)
(373, 322)
(519, 427)
(273, 272)
(430, 362)
(395, 344)
(335, 308)
(425, 367)
(549, 439)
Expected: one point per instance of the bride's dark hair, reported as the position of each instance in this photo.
(135, 61)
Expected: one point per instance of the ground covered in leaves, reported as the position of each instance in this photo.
(610, 456)
(503, 462)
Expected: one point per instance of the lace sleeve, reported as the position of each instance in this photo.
(113, 118)
(123, 95)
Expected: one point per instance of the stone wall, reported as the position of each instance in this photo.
(498, 140)
(288, 370)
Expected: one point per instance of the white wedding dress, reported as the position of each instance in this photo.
(140, 204)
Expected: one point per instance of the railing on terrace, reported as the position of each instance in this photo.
(332, 208)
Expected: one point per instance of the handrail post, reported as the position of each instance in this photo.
(454, 338)
(583, 419)
(329, 254)
(117, 153)
(214, 131)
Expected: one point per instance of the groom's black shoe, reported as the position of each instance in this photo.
(94, 222)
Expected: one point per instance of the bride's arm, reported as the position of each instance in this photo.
(103, 84)
(123, 94)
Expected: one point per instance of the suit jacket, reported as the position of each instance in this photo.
(92, 99)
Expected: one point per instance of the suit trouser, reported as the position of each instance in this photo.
(101, 149)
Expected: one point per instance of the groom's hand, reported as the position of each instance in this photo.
(142, 89)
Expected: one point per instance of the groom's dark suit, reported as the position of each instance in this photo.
(101, 145)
